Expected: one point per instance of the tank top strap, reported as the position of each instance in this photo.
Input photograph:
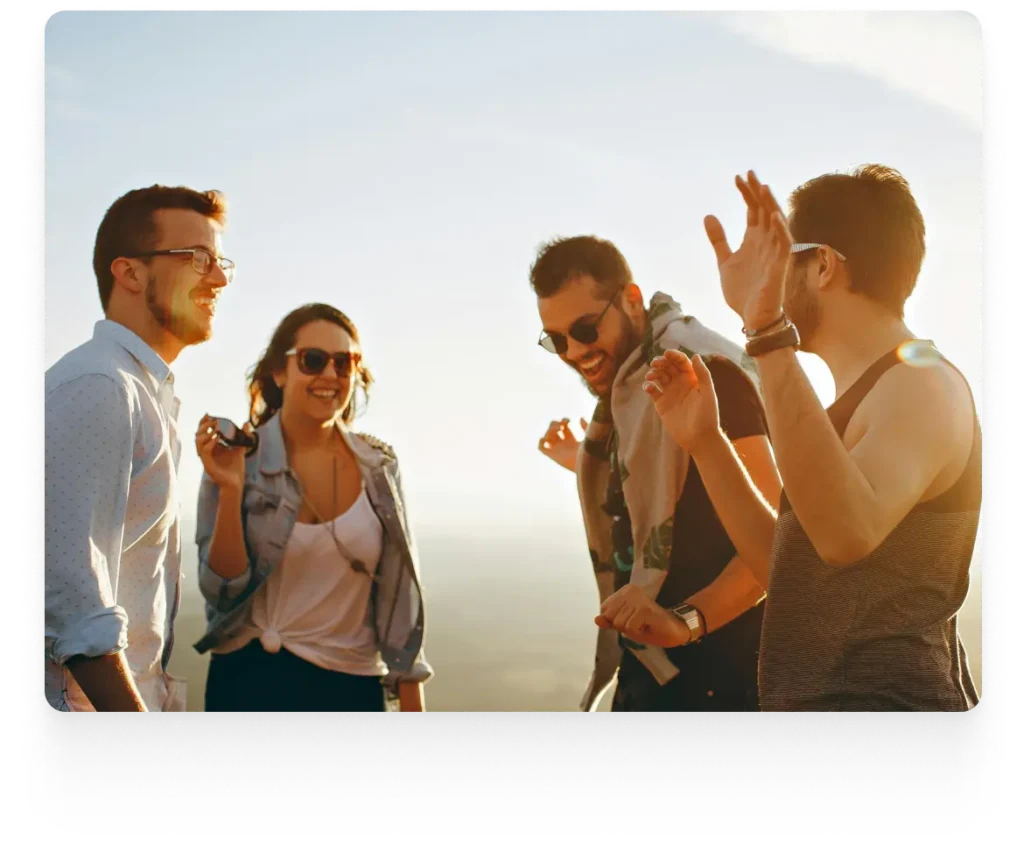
(843, 408)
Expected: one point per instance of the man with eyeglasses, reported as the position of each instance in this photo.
(113, 547)
(867, 562)
(666, 571)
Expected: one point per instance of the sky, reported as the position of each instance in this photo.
(405, 167)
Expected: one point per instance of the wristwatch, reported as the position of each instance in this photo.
(693, 619)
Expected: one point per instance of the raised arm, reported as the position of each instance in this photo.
(741, 481)
(224, 570)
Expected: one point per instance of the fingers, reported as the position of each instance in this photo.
(750, 198)
(768, 200)
(673, 365)
(716, 235)
(653, 388)
(702, 373)
(558, 432)
(780, 231)
(623, 617)
(673, 362)
(206, 448)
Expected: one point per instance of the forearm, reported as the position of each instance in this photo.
(410, 696)
(107, 682)
(735, 591)
(827, 491)
(748, 518)
(227, 554)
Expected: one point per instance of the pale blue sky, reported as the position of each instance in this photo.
(405, 166)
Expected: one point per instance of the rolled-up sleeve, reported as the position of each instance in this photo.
(420, 670)
(89, 442)
(219, 591)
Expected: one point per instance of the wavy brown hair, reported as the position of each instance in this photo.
(265, 397)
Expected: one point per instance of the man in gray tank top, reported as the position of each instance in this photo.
(866, 560)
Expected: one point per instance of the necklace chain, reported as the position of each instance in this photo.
(356, 564)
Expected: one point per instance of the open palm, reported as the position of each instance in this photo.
(684, 397)
(753, 276)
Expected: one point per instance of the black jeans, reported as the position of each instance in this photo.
(252, 680)
(730, 689)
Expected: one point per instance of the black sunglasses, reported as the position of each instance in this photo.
(312, 362)
(230, 435)
(581, 331)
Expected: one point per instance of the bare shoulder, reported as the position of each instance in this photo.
(926, 397)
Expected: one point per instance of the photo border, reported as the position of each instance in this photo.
(503, 775)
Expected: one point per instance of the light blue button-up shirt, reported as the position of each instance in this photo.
(113, 544)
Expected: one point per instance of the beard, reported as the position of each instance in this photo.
(802, 306)
(180, 323)
(624, 347)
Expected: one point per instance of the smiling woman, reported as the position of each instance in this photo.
(310, 578)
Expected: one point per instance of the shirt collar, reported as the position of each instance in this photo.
(137, 348)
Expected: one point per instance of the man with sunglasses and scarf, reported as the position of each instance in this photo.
(113, 547)
(666, 571)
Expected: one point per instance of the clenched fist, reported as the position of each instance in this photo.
(638, 617)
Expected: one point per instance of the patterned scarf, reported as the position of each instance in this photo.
(652, 469)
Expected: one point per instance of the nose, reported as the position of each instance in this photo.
(216, 276)
(575, 351)
(329, 372)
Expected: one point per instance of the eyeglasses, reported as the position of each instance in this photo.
(806, 246)
(581, 331)
(312, 362)
(202, 260)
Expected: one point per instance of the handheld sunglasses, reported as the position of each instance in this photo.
(230, 435)
(582, 331)
(312, 362)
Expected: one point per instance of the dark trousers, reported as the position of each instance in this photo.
(703, 685)
(252, 680)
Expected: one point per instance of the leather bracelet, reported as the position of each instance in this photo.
(781, 339)
(757, 332)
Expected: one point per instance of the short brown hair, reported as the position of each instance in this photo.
(128, 225)
(869, 216)
(561, 260)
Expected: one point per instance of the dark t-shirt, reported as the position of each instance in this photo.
(720, 671)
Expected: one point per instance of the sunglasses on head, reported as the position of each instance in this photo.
(312, 362)
(582, 331)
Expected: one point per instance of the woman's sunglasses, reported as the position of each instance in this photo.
(312, 362)
(582, 331)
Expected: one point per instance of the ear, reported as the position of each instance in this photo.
(633, 296)
(129, 274)
(827, 268)
(279, 377)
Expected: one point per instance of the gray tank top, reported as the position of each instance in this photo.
(880, 634)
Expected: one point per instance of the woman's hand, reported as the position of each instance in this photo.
(224, 465)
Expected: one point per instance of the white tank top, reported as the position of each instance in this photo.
(315, 605)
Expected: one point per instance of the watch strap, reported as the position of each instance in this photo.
(785, 337)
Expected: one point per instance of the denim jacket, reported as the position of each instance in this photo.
(270, 503)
